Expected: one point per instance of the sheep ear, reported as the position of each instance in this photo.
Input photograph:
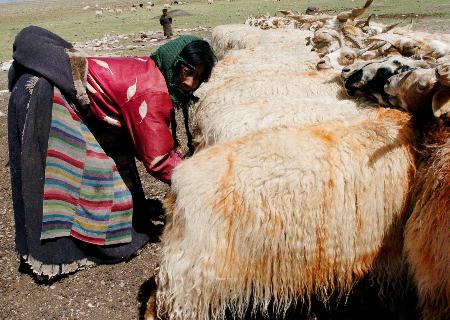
(443, 74)
(441, 102)
(429, 60)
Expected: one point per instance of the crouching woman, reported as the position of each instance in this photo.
(75, 126)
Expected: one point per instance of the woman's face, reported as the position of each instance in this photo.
(190, 79)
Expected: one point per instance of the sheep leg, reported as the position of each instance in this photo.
(150, 311)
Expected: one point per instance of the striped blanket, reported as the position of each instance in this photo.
(84, 195)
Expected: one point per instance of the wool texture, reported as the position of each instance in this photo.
(285, 213)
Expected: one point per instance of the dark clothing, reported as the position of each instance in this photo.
(46, 57)
(49, 75)
(32, 80)
(29, 118)
(166, 22)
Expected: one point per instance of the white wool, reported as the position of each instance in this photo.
(236, 105)
(254, 61)
(282, 214)
(250, 114)
(228, 37)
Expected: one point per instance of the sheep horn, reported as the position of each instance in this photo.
(344, 16)
(368, 3)
(341, 43)
(364, 23)
(390, 27)
(411, 24)
(392, 38)
(355, 41)
(377, 45)
(367, 22)
(373, 46)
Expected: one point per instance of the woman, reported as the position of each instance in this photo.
(75, 125)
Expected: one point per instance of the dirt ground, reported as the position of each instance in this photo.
(105, 292)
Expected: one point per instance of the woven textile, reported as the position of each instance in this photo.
(84, 195)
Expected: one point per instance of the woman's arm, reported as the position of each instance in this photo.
(147, 118)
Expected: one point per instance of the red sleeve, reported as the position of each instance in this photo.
(147, 118)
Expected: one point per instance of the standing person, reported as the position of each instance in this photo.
(166, 21)
(75, 126)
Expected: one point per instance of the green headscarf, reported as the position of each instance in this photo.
(167, 58)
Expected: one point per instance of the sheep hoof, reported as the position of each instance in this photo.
(150, 312)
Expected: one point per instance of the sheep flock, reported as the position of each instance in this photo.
(322, 159)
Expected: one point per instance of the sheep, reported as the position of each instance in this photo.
(252, 114)
(118, 11)
(353, 14)
(99, 14)
(338, 59)
(427, 230)
(266, 93)
(227, 37)
(288, 212)
(251, 73)
(203, 288)
(374, 29)
(329, 21)
(415, 89)
(310, 22)
(411, 47)
(368, 78)
(425, 92)
(325, 40)
(133, 9)
(268, 99)
(335, 53)
(266, 22)
(255, 61)
(295, 83)
(210, 1)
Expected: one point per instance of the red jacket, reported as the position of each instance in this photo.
(131, 92)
